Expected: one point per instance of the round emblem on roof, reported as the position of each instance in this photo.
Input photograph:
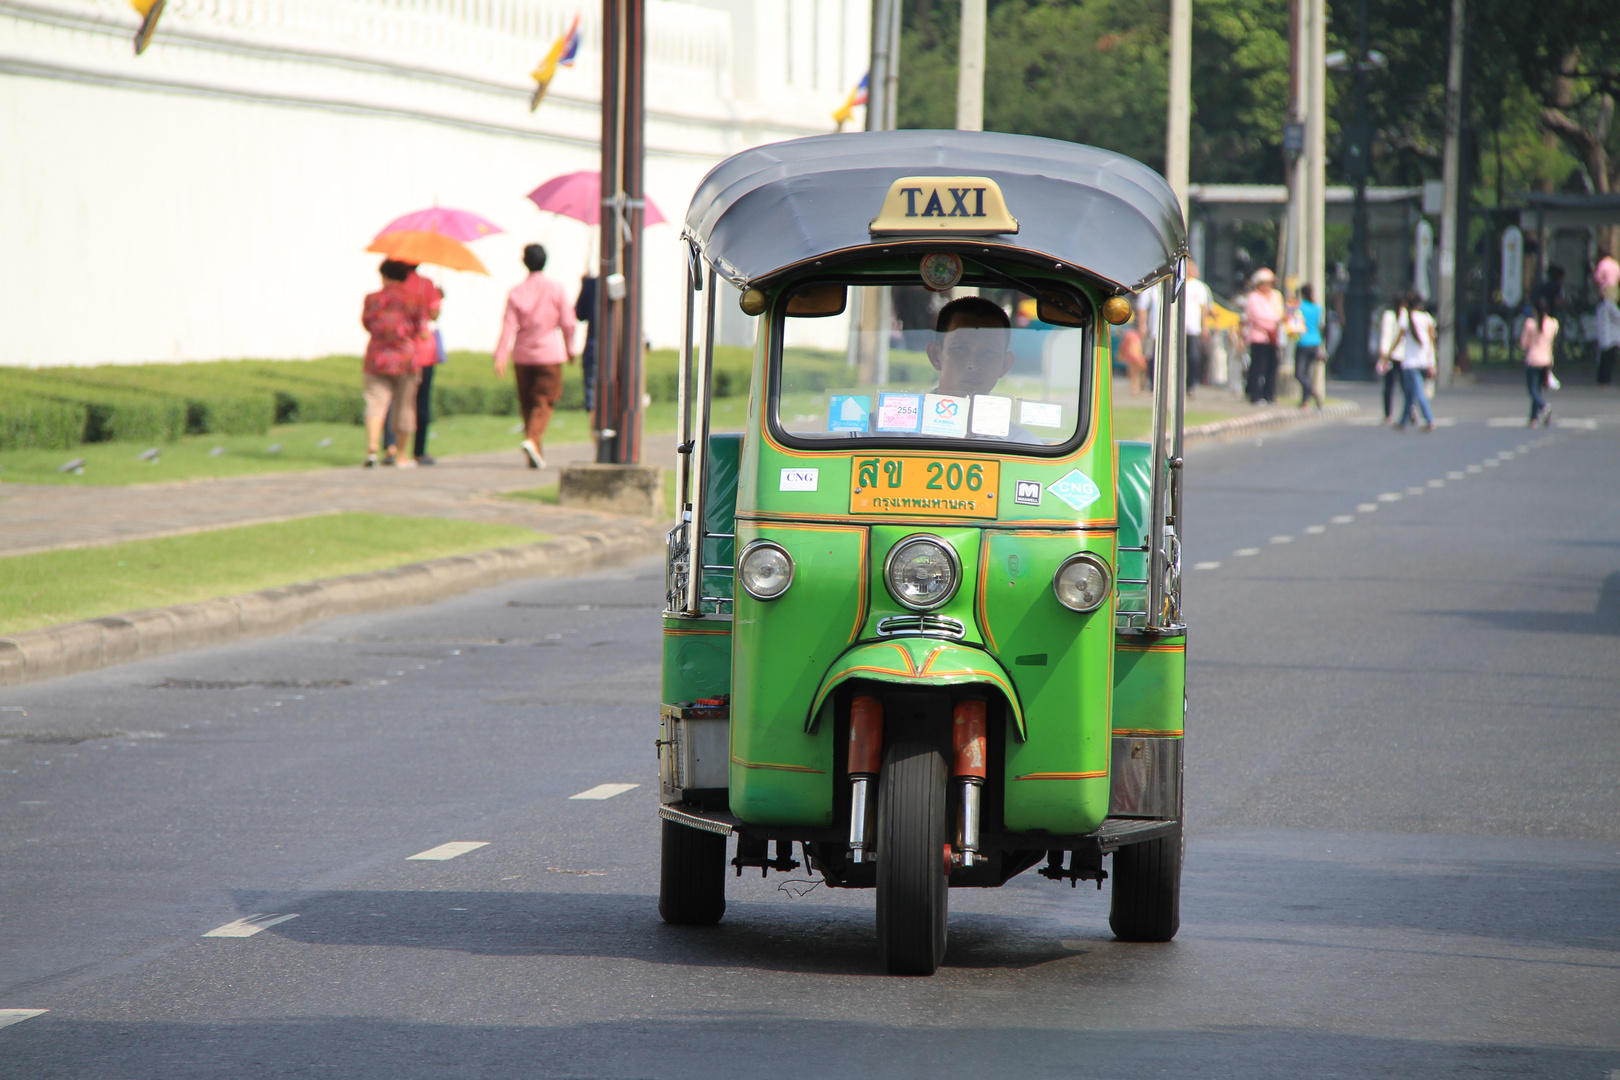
(941, 270)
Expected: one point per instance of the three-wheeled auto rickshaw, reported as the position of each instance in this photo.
(923, 612)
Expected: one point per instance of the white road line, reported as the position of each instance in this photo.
(1475, 469)
(1207, 566)
(1390, 496)
(604, 791)
(1365, 421)
(1245, 552)
(1414, 491)
(1366, 508)
(1315, 529)
(1282, 539)
(17, 1016)
(1507, 455)
(1522, 448)
(1455, 475)
(448, 851)
(1445, 421)
(1490, 463)
(1437, 483)
(1579, 423)
(249, 926)
(1342, 519)
(1505, 421)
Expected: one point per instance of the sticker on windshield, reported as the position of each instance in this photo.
(899, 412)
(1040, 413)
(849, 412)
(945, 415)
(800, 479)
(992, 415)
(1076, 489)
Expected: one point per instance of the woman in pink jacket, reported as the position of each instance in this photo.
(1536, 339)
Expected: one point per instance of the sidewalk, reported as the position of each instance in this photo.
(40, 517)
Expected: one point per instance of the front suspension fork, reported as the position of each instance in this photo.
(969, 736)
(865, 760)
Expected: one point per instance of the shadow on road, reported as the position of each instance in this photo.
(1604, 620)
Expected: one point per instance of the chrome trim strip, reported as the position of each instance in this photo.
(692, 821)
(921, 625)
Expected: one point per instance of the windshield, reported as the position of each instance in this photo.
(900, 364)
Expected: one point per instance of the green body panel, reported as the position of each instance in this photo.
(780, 774)
(719, 516)
(697, 659)
(919, 661)
(1134, 482)
(965, 541)
(1150, 687)
(1061, 663)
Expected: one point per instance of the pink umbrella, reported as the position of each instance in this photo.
(456, 224)
(579, 195)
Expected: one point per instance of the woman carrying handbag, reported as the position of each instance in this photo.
(1536, 338)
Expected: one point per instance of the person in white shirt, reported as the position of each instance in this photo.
(1608, 340)
(1415, 352)
(1197, 299)
(1389, 365)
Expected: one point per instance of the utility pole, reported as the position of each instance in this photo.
(620, 378)
(870, 320)
(1354, 360)
(1180, 106)
(1446, 305)
(1316, 151)
(970, 68)
(1290, 255)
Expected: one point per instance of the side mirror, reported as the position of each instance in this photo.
(1059, 309)
(817, 301)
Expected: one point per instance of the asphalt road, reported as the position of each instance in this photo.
(1403, 858)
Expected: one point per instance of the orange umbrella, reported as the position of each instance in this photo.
(415, 246)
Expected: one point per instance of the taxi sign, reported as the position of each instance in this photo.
(925, 486)
(968, 205)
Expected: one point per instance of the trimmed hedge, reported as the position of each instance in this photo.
(40, 423)
(110, 412)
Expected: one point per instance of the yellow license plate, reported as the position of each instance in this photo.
(924, 486)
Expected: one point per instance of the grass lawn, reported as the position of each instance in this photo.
(65, 586)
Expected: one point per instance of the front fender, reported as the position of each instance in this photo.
(918, 661)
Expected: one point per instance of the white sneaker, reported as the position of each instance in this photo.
(532, 452)
(405, 463)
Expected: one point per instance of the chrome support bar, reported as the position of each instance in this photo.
(1169, 405)
(860, 820)
(699, 459)
(967, 823)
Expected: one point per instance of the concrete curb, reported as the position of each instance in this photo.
(1268, 418)
(140, 635)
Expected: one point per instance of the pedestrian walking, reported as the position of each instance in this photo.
(1308, 347)
(429, 353)
(1536, 338)
(1416, 355)
(585, 312)
(537, 336)
(1197, 299)
(1388, 366)
(1608, 340)
(1132, 354)
(394, 319)
(1263, 314)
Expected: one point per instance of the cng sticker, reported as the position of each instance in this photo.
(1076, 489)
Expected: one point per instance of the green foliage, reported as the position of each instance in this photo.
(31, 423)
(110, 412)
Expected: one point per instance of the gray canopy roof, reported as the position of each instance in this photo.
(773, 207)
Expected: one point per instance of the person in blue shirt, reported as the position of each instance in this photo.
(1308, 346)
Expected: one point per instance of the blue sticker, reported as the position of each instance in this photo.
(849, 412)
(1076, 489)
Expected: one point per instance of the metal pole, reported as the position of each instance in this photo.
(891, 94)
(1446, 305)
(1180, 105)
(632, 159)
(683, 385)
(607, 309)
(1316, 151)
(877, 79)
(1354, 359)
(970, 68)
(700, 460)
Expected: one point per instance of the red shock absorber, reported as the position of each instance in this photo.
(970, 738)
(865, 762)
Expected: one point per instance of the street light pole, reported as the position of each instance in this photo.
(1354, 359)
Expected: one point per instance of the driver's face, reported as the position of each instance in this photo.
(971, 358)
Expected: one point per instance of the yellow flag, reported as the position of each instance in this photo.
(561, 55)
(151, 11)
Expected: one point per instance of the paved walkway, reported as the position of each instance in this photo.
(42, 517)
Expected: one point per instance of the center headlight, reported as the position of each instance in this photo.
(922, 572)
(766, 570)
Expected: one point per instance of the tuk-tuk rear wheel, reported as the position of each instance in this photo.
(692, 876)
(912, 831)
(1146, 900)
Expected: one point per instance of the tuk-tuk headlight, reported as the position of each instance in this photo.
(1081, 583)
(922, 572)
(765, 570)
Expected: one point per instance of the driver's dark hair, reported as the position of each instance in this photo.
(971, 306)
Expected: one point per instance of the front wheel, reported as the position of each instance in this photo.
(911, 838)
(1146, 902)
(692, 877)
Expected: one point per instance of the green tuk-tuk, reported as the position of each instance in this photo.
(923, 613)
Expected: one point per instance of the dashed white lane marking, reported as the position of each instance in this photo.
(1507, 455)
(1282, 539)
(1342, 519)
(1579, 423)
(17, 1016)
(1455, 475)
(604, 791)
(1366, 508)
(1365, 421)
(1316, 529)
(1476, 468)
(1207, 566)
(448, 851)
(1505, 421)
(1390, 496)
(1489, 463)
(1437, 483)
(1522, 447)
(1414, 491)
(1445, 421)
(249, 926)
(1245, 552)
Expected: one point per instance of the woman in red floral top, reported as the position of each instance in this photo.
(394, 318)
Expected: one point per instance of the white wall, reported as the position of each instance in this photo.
(213, 197)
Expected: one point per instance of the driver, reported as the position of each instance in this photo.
(970, 352)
